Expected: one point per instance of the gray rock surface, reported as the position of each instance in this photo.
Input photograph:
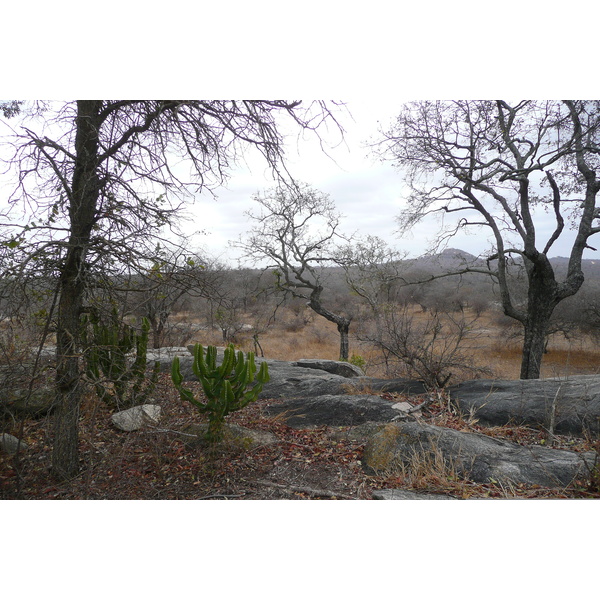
(407, 495)
(136, 417)
(334, 410)
(331, 366)
(309, 378)
(165, 356)
(472, 456)
(400, 386)
(235, 437)
(289, 380)
(530, 402)
(358, 433)
(20, 403)
(10, 444)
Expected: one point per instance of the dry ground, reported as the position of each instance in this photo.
(155, 463)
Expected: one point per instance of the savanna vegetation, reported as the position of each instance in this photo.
(94, 274)
(446, 330)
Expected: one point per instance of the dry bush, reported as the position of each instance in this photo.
(308, 343)
(294, 321)
(435, 348)
(178, 332)
(428, 468)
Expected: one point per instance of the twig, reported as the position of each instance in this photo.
(420, 406)
(155, 430)
(305, 490)
(552, 423)
(298, 445)
(220, 496)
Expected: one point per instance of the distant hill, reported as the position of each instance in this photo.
(450, 259)
(454, 259)
(590, 266)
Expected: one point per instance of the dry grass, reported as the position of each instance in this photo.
(489, 347)
(318, 339)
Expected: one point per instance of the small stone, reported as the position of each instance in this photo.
(136, 417)
(10, 444)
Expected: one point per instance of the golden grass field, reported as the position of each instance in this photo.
(489, 349)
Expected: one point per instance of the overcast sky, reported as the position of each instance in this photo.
(368, 193)
(365, 191)
(374, 58)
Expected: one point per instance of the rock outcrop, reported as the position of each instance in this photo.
(407, 495)
(311, 393)
(335, 410)
(21, 403)
(306, 378)
(235, 437)
(401, 447)
(330, 366)
(572, 404)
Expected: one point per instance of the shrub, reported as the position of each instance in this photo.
(358, 361)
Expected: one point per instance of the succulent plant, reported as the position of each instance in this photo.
(228, 387)
(118, 381)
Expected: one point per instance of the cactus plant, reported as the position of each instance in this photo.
(227, 387)
(116, 381)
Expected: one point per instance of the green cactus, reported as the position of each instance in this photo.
(116, 381)
(227, 387)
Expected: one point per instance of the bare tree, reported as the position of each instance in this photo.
(93, 177)
(493, 164)
(296, 232)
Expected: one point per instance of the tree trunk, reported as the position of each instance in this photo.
(533, 348)
(157, 329)
(82, 209)
(65, 457)
(542, 301)
(343, 327)
(343, 323)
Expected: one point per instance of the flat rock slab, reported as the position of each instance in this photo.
(409, 387)
(330, 366)
(235, 437)
(23, 403)
(288, 380)
(311, 377)
(164, 356)
(357, 433)
(399, 447)
(407, 495)
(530, 402)
(334, 410)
